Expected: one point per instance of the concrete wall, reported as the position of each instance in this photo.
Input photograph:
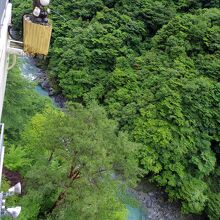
(3, 4)
(3, 52)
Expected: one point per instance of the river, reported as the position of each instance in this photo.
(30, 71)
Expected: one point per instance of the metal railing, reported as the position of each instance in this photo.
(1, 135)
(3, 4)
(2, 150)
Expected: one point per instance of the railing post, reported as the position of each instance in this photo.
(2, 151)
(5, 21)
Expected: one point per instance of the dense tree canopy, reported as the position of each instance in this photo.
(154, 66)
(71, 174)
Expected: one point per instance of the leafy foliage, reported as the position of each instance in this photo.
(20, 104)
(73, 163)
(213, 206)
(15, 158)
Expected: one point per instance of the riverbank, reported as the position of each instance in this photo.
(44, 83)
(156, 202)
(32, 72)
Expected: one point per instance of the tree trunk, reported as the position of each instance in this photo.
(73, 175)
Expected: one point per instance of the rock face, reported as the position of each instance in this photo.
(43, 81)
(157, 206)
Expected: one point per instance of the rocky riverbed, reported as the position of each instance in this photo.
(43, 82)
(156, 202)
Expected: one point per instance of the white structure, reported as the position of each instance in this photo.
(5, 49)
(5, 20)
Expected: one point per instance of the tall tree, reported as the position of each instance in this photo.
(76, 158)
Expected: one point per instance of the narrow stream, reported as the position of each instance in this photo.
(30, 71)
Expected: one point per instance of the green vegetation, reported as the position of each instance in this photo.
(73, 158)
(154, 66)
(20, 104)
(66, 158)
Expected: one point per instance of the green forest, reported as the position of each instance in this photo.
(142, 80)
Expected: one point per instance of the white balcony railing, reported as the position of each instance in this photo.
(2, 150)
(1, 135)
(6, 10)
